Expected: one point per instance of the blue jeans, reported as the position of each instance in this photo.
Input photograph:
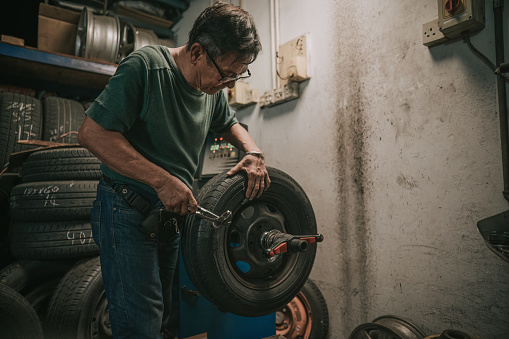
(137, 272)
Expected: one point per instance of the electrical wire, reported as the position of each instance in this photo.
(279, 62)
(280, 77)
(484, 58)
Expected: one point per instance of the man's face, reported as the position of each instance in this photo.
(215, 73)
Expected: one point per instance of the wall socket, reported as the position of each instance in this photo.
(279, 95)
(432, 35)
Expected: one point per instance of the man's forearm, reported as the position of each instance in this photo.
(118, 154)
(240, 138)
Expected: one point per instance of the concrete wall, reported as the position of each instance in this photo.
(398, 149)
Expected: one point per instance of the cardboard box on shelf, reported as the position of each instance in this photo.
(12, 40)
(57, 29)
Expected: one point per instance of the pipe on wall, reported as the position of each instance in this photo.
(274, 37)
(498, 9)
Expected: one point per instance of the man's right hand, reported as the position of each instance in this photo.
(176, 196)
(113, 149)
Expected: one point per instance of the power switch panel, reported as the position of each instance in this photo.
(293, 60)
(240, 95)
(453, 7)
(458, 17)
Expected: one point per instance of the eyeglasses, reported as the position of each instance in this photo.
(224, 79)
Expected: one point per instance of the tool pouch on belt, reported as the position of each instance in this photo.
(158, 223)
(161, 224)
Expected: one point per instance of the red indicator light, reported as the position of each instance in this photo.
(221, 138)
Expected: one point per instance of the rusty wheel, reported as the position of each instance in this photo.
(305, 317)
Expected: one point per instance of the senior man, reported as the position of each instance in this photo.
(148, 127)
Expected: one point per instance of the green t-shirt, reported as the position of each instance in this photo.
(164, 118)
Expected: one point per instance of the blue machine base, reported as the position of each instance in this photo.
(199, 316)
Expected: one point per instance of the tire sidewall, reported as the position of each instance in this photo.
(243, 300)
(20, 314)
(318, 310)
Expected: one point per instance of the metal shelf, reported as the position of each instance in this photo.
(29, 67)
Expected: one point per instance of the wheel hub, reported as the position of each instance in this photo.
(244, 248)
(100, 325)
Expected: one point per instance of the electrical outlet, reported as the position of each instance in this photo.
(267, 98)
(291, 91)
(279, 95)
(431, 34)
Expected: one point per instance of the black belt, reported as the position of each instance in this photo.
(134, 199)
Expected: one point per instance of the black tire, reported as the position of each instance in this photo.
(53, 200)
(72, 163)
(35, 280)
(212, 256)
(52, 240)
(62, 116)
(18, 319)
(22, 275)
(39, 297)
(306, 316)
(78, 307)
(20, 119)
(7, 182)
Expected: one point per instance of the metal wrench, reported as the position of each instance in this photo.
(217, 220)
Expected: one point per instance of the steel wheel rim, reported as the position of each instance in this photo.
(126, 41)
(100, 327)
(144, 37)
(373, 331)
(82, 35)
(98, 37)
(401, 326)
(294, 320)
(107, 34)
(242, 246)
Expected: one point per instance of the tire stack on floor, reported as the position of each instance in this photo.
(50, 233)
(51, 208)
(20, 119)
(51, 222)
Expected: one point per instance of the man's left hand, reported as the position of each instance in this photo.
(257, 176)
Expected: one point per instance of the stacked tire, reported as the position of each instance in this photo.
(46, 212)
(62, 119)
(20, 119)
(50, 232)
(51, 208)
(17, 317)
